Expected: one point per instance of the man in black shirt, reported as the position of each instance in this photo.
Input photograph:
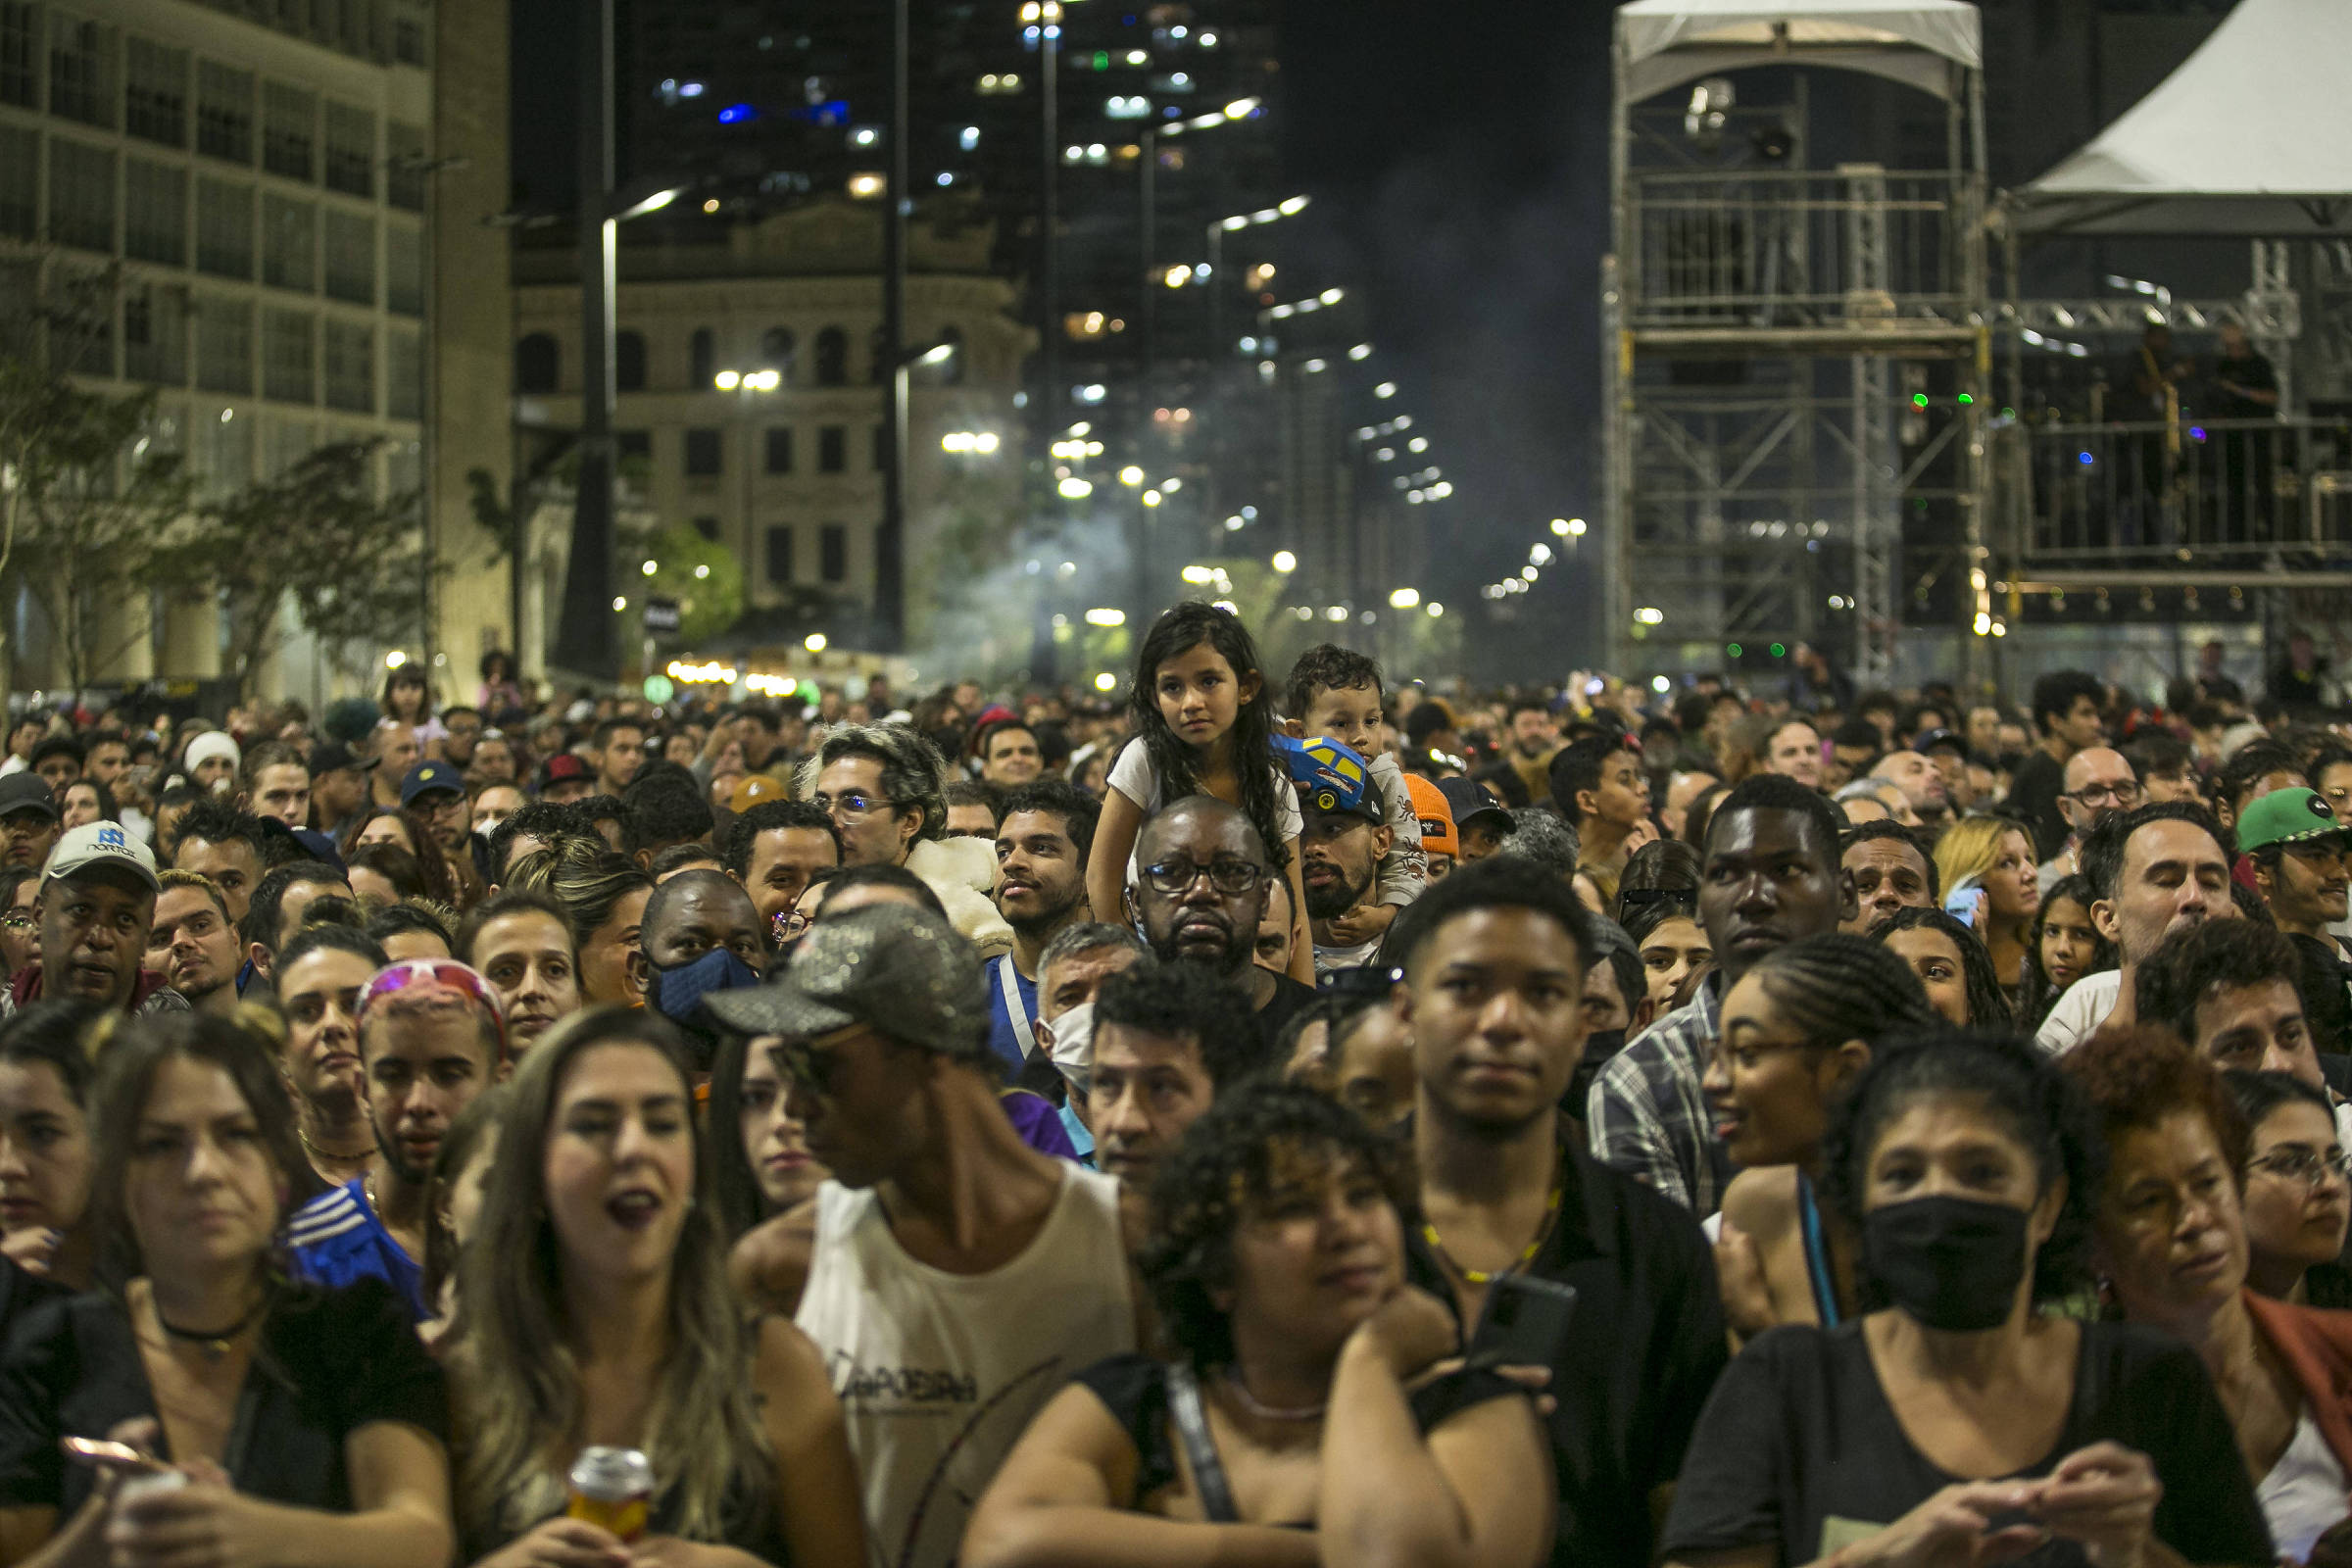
(1494, 959)
(2244, 387)
(1201, 874)
(2066, 711)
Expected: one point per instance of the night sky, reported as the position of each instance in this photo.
(1457, 151)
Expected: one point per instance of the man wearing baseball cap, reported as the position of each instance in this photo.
(2297, 845)
(944, 1254)
(29, 822)
(338, 785)
(565, 778)
(1479, 820)
(1339, 848)
(436, 792)
(97, 904)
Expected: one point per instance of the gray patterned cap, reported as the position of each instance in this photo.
(892, 967)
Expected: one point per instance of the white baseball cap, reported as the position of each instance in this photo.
(103, 845)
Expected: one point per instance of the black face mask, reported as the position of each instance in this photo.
(1599, 1046)
(1953, 1264)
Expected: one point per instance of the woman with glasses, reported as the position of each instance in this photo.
(2171, 1244)
(2295, 1190)
(598, 1312)
(1297, 1424)
(19, 925)
(306, 1425)
(1795, 1033)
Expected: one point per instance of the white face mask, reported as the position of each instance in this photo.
(1069, 1041)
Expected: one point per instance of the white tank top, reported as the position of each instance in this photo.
(939, 1373)
(2303, 1495)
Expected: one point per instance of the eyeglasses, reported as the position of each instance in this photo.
(2123, 793)
(789, 925)
(1227, 874)
(851, 806)
(2303, 1165)
(421, 974)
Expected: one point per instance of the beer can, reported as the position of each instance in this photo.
(611, 1488)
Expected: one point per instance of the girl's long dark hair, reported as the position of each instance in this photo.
(2045, 992)
(1179, 630)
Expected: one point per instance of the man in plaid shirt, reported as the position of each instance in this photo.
(1770, 877)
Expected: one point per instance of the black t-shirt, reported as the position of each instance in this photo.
(1135, 1390)
(329, 1362)
(2033, 793)
(1644, 1346)
(2327, 1005)
(1798, 1450)
(1290, 998)
(2254, 373)
(19, 1292)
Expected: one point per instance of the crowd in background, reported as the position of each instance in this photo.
(1285, 1118)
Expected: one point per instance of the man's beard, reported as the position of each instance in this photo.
(1530, 750)
(1240, 950)
(197, 991)
(1044, 921)
(1339, 898)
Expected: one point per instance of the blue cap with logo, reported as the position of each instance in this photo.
(1331, 778)
(426, 777)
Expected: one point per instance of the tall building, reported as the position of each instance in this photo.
(787, 473)
(290, 194)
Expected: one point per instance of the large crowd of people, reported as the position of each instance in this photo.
(1285, 1119)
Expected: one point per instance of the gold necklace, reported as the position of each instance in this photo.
(327, 1156)
(1551, 1212)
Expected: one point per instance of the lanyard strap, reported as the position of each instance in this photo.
(1009, 982)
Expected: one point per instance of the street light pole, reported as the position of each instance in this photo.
(1049, 268)
(585, 639)
(890, 540)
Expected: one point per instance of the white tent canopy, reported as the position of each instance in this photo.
(1664, 43)
(2251, 135)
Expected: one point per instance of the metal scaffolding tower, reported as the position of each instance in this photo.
(1772, 329)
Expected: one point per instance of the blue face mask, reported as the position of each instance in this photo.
(678, 991)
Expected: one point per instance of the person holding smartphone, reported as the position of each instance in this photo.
(1301, 1403)
(1495, 958)
(307, 1426)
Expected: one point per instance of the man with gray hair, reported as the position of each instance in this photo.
(886, 790)
(953, 1278)
(1069, 972)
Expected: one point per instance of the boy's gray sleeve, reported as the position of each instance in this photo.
(1403, 870)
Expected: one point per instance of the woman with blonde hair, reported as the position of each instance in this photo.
(598, 1314)
(1998, 853)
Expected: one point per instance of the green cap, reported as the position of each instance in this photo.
(2288, 817)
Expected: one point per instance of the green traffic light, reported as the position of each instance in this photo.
(1779, 651)
(1101, 59)
(1919, 400)
(1732, 650)
(1966, 400)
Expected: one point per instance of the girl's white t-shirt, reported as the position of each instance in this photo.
(1134, 776)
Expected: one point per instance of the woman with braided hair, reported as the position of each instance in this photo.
(1797, 1030)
